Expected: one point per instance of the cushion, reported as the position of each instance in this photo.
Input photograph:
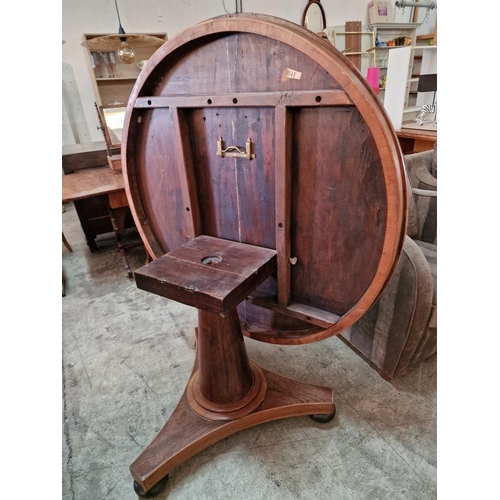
(393, 334)
(430, 253)
(434, 165)
(412, 228)
(419, 166)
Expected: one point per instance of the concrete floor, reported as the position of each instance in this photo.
(128, 354)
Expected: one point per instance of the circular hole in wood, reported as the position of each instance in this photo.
(188, 209)
(280, 225)
(209, 101)
(235, 100)
(149, 103)
(318, 98)
(211, 259)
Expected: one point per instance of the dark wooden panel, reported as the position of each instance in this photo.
(339, 208)
(217, 286)
(256, 178)
(79, 156)
(94, 218)
(265, 64)
(159, 180)
(236, 63)
(236, 195)
(215, 176)
(198, 67)
(353, 42)
(235, 258)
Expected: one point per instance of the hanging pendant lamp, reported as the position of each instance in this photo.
(122, 42)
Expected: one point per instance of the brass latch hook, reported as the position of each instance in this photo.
(235, 151)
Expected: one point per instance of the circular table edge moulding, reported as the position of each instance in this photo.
(363, 98)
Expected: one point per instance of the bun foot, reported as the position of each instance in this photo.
(152, 492)
(323, 419)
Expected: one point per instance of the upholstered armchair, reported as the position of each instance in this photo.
(422, 169)
(400, 329)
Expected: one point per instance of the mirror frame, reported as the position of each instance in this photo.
(323, 16)
(111, 145)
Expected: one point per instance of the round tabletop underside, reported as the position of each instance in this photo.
(326, 188)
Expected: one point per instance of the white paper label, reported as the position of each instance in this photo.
(291, 73)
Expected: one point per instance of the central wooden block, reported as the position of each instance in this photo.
(208, 273)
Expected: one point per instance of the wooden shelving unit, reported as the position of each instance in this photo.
(400, 96)
(385, 32)
(110, 90)
(355, 44)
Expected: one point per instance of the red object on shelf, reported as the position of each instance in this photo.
(373, 78)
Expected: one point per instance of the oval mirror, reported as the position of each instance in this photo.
(314, 17)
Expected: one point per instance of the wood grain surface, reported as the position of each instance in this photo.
(326, 189)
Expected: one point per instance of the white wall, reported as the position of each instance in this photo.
(170, 16)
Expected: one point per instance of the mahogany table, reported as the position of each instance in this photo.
(267, 184)
(91, 182)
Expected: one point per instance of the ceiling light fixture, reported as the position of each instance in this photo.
(125, 52)
(122, 43)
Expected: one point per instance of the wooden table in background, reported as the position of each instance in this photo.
(80, 156)
(414, 140)
(98, 181)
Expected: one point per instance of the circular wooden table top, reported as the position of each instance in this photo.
(251, 128)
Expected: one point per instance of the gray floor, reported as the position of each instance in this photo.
(127, 356)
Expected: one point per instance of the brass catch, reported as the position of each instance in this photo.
(235, 151)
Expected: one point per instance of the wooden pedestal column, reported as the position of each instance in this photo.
(196, 423)
(226, 385)
(222, 358)
(226, 392)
